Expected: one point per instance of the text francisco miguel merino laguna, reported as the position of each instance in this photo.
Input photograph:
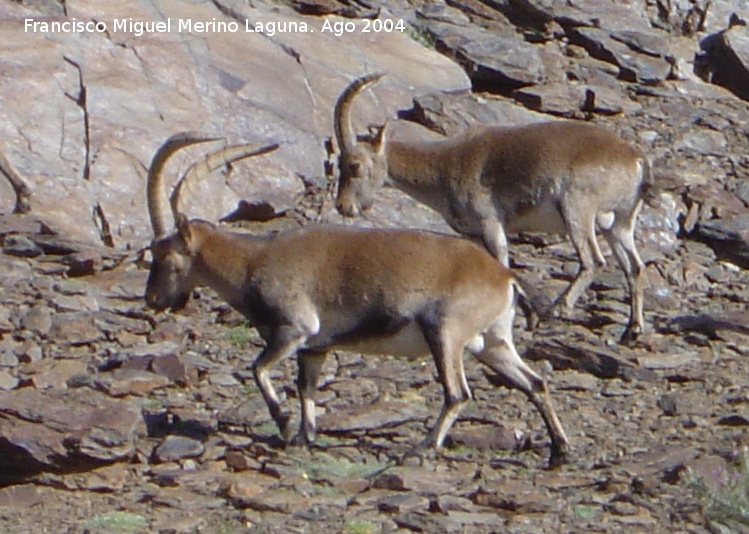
(139, 27)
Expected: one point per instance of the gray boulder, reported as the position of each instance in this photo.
(58, 429)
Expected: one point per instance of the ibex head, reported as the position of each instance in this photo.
(362, 166)
(172, 274)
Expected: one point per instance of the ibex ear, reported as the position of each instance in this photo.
(381, 137)
(183, 228)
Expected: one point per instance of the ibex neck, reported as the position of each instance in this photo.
(224, 263)
(414, 164)
(419, 170)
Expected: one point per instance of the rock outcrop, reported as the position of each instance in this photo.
(117, 419)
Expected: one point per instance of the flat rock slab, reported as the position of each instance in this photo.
(378, 415)
(730, 237)
(608, 14)
(65, 429)
(729, 59)
(599, 361)
(495, 60)
(20, 496)
(568, 100)
(714, 325)
(626, 51)
(178, 447)
(667, 361)
(420, 479)
(488, 437)
(450, 114)
(507, 62)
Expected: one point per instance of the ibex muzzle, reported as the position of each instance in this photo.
(168, 285)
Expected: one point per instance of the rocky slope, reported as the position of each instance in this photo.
(115, 419)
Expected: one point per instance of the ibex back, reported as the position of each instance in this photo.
(308, 291)
(554, 177)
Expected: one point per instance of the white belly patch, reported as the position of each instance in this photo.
(605, 220)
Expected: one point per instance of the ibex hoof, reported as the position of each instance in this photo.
(531, 314)
(532, 321)
(288, 431)
(299, 440)
(555, 311)
(417, 454)
(630, 335)
(559, 456)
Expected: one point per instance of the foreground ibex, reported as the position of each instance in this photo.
(552, 177)
(320, 288)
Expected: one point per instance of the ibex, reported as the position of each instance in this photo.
(319, 288)
(551, 177)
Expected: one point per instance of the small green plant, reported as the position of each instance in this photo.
(462, 450)
(325, 441)
(326, 467)
(115, 522)
(225, 525)
(356, 526)
(239, 336)
(421, 35)
(153, 404)
(724, 493)
(250, 389)
(324, 490)
(268, 428)
(586, 511)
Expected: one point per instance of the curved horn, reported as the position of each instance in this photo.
(155, 185)
(344, 131)
(210, 163)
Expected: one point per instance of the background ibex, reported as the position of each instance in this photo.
(551, 177)
(325, 287)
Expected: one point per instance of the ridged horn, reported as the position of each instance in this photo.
(344, 130)
(213, 161)
(156, 196)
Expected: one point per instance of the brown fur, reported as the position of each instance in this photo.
(399, 292)
(556, 177)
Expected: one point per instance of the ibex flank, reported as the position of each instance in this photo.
(553, 177)
(398, 292)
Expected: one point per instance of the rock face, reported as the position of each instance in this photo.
(502, 62)
(727, 60)
(637, 54)
(103, 402)
(64, 430)
(730, 237)
(84, 112)
(81, 129)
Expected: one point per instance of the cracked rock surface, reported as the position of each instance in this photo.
(117, 419)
